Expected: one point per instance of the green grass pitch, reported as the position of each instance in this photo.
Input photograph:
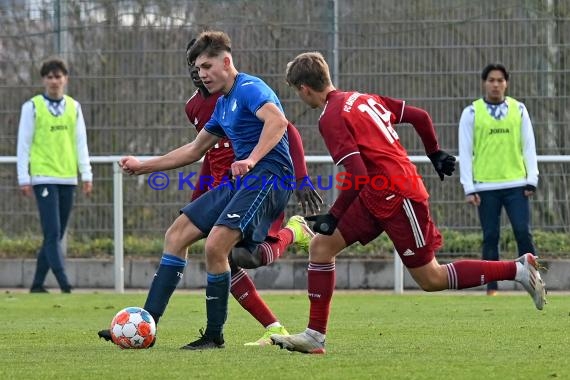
(372, 335)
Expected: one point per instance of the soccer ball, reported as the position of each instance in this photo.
(133, 327)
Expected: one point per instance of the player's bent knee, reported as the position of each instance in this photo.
(319, 251)
(431, 277)
(245, 259)
(171, 237)
(179, 236)
(429, 287)
(431, 284)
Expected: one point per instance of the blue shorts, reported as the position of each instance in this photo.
(250, 205)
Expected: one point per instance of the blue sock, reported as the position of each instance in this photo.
(164, 283)
(217, 293)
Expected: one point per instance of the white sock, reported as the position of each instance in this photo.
(274, 324)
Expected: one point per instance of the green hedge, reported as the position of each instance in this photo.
(464, 244)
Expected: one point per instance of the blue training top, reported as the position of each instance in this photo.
(234, 117)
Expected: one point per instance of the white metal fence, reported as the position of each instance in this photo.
(128, 70)
(118, 209)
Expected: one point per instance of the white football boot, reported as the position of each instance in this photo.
(530, 279)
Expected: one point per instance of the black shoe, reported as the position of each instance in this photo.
(38, 289)
(205, 342)
(66, 290)
(105, 334)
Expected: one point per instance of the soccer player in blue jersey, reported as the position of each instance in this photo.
(251, 116)
(217, 161)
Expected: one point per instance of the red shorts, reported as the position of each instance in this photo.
(409, 226)
(221, 158)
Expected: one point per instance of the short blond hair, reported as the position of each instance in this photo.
(309, 69)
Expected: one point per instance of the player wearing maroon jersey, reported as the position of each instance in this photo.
(386, 194)
(217, 160)
(216, 165)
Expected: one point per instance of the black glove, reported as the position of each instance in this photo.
(443, 163)
(307, 196)
(324, 223)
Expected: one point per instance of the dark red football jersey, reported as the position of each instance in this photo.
(199, 110)
(356, 123)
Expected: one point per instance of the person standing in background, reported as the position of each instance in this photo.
(52, 147)
(498, 163)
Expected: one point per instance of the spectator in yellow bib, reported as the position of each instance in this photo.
(52, 148)
(498, 166)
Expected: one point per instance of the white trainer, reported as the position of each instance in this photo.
(530, 279)
(302, 342)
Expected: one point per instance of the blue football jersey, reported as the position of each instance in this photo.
(234, 117)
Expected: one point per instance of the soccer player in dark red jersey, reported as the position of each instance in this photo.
(217, 163)
(386, 195)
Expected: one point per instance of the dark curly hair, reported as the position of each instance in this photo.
(53, 65)
(494, 66)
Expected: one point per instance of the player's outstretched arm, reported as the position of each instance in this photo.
(176, 158)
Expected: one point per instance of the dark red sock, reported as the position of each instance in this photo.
(321, 282)
(470, 273)
(243, 290)
(272, 250)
